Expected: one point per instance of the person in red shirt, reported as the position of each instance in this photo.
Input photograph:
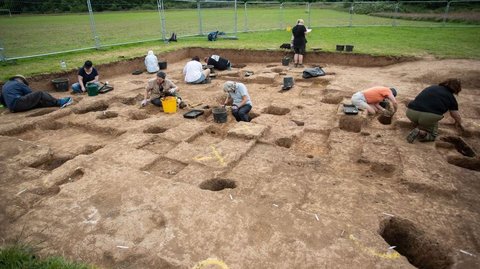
(370, 99)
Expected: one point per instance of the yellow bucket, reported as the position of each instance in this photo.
(169, 104)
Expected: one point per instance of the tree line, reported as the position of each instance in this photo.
(76, 6)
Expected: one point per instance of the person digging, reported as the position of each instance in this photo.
(161, 87)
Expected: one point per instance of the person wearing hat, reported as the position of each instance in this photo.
(218, 62)
(151, 62)
(18, 97)
(427, 109)
(241, 102)
(194, 73)
(371, 98)
(86, 74)
(160, 87)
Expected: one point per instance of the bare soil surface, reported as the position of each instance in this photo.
(302, 185)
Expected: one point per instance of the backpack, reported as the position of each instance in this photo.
(313, 72)
(173, 38)
(212, 36)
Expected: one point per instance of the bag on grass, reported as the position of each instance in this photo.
(173, 38)
(313, 72)
(212, 36)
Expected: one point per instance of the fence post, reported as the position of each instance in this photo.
(236, 19)
(245, 27)
(92, 25)
(309, 23)
(281, 16)
(161, 13)
(2, 54)
(199, 18)
(351, 15)
(445, 16)
(395, 15)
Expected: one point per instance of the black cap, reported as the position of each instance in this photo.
(161, 74)
(394, 91)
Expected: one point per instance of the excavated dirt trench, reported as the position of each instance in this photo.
(302, 185)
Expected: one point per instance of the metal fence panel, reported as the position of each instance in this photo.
(36, 34)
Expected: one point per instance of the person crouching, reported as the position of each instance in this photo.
(241, 102)
(160, 87)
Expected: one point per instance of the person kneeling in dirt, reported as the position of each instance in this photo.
(241, 102)
(18, 97)
(218, 62)
(194, 73)
(371, 98)
(160, 87)
(427, 109)
(86, 74)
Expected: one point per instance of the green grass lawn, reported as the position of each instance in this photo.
(24, 35)
(37, 34)
(398, 41)
(18, 256)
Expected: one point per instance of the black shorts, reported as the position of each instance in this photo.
(299, 50)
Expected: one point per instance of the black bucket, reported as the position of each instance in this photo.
(162, 65)
(287, 83)
(340, 47)
(285, 61)
(60, 84)
(349, 48)
(219, 115)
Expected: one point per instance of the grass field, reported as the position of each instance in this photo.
(39, 34)
(30, 35)
(399, 41)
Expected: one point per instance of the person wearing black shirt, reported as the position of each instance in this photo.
(299, 42)
(427, 109)
(87, 73)
(218, 62)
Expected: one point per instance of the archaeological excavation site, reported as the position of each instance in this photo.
(110, 183)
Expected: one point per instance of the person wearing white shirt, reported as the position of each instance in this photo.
(151, 62)
(237, 94)
(194, 73)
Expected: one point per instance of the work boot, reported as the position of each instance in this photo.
(413, 135)
(182, 105)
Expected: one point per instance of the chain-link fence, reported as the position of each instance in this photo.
(30, 28)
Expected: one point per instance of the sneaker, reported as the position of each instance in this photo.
(64, 102)
(182, 105)
(300, 65)
(413, 135)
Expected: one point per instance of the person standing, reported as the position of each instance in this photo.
(371, 98)
(241, 102)
(151, 62)
(194, 73)
(160, 87)
(427, 109)
(18, 97)
(218, 62)
(86, 74)
(299, 42)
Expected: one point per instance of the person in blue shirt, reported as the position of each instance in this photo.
(18, 97)
(241, 102)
